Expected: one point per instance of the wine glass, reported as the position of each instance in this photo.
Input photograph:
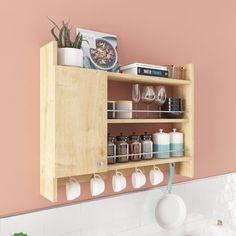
(160, 97)
(135, 97)
(148, 96)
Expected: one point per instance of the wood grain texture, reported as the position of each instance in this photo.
(151, 162)
(48, 60)
(73, 123)
(125, 171)
(128, 78)
(81, 121)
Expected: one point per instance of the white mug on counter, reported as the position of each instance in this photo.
(118, 182)
(138, 178)
(124, 105)
(156, 176)
(97, 185)
(72, 189)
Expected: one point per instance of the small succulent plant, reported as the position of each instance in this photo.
(64, 38)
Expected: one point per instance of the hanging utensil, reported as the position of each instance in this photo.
(170, 210)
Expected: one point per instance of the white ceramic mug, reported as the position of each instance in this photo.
(138, 178)
(156, 176)
(118, 182)
(97, 185)
(126, 106)
(72, 189)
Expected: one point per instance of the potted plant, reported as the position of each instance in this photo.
(69, 52)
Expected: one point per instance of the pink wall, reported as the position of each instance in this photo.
(158, 32)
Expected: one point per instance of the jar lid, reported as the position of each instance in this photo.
(161, 137)
(111, 138)
(174, 131)
(146, 136)
(121, 137)
(176, 137)
(134, 137)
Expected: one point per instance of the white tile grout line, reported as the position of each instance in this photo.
(114, 196)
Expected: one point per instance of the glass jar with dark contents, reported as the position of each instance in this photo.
(147, 146)
(134, 147)
(111, 149)
(122, 148)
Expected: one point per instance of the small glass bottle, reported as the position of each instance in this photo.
(134, 147)
(147, 146)
(111, 149)
(122, 148)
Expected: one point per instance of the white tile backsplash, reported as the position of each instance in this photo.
(131, 214)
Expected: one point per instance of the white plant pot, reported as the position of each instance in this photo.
(70, 57)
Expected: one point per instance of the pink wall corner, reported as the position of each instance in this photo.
(157, 32)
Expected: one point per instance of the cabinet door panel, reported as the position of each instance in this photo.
(81, 121)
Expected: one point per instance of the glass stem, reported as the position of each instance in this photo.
(135, 108)
(159, 113)
(148, 113)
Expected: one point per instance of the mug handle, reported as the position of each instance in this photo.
(119, 173)
(96, 176)
(138, 170)
(72, 180)
(156, 168)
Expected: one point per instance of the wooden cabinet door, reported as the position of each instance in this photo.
(81, 121)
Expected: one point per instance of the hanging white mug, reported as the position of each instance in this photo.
(72, 189)
(138, 178)
(97, 185)
(118, 182)
(156, 176)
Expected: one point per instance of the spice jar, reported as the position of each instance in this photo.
(122, 148)
(147, 146)
(134, 147)
(111, 149)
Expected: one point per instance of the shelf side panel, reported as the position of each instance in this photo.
(47, 121)
(48, 187)
(81, 121)
(187, 93)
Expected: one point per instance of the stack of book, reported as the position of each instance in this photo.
(145, 69)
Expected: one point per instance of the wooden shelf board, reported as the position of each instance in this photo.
(128, 78)
(138, 121)
(120, 77)
(151, 162)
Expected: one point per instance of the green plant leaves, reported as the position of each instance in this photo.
(64, 38)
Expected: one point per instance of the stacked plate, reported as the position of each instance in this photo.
(174, 107)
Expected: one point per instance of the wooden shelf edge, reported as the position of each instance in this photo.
(143, 163)
(135, 121)
(120, 77)
(127, 78)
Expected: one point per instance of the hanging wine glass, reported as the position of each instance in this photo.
(136, 97)
(160, 97)
(148, 96)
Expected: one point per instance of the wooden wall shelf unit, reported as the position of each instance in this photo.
(74, 124)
